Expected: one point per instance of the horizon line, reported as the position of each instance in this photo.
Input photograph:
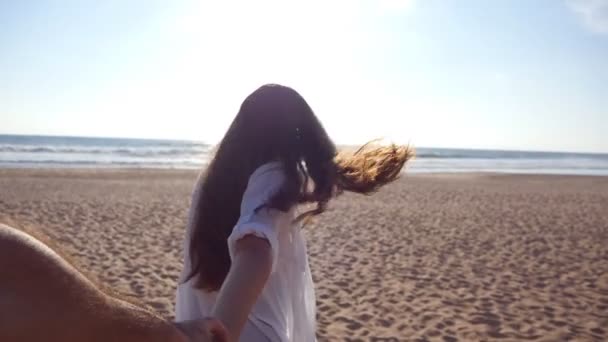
(337, 144)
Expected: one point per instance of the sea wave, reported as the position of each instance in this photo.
(76, 152)
(97, 163)
(506, 155)
(148, 151)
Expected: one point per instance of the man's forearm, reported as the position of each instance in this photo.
(127, 322)
(45, 298)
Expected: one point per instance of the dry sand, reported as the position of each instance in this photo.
(439, 258)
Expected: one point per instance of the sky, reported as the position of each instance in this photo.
(503, 74)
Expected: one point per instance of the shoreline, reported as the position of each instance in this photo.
(150, 170)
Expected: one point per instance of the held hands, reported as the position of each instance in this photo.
(202, 330)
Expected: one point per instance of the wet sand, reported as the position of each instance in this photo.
(434, 257)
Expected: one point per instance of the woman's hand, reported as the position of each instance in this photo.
(202, 330)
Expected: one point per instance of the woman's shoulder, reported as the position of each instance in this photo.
(267, 175)
(273, 167)
(265, 181)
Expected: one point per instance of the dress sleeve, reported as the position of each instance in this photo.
(256, 219)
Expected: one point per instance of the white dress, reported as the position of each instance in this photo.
(285, 309)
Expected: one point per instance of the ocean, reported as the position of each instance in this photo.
(19, 151)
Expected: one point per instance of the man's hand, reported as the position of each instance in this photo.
(203, 330)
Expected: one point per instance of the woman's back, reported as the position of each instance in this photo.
(285, 309)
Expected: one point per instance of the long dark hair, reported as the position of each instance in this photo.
(275, 123)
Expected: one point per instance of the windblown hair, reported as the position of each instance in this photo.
(275, 123)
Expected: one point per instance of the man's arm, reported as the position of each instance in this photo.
(45, 298)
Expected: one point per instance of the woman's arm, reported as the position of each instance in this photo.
(250, 269)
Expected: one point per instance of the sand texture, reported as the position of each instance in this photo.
(431, 258)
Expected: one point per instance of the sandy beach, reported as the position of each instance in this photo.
(461, 257)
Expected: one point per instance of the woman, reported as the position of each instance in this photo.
(245, 255)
